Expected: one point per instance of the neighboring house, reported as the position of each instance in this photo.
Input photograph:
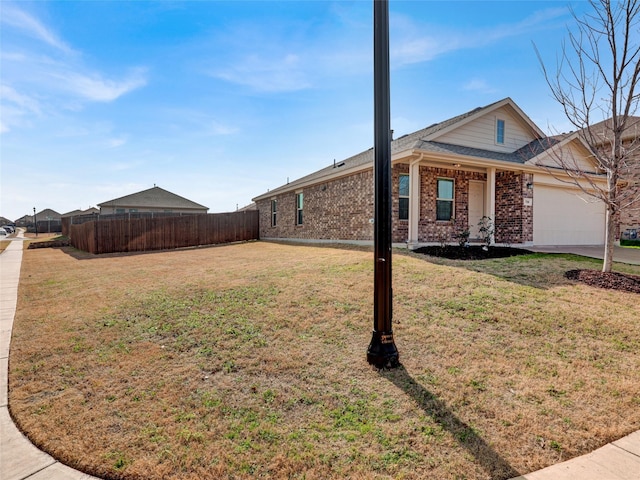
(629, 218)
(24, 221)
(445, 178)
(154, 199)
(49, 215)
(76, 213)
(48, 221)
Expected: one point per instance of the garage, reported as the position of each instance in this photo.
(565, 216)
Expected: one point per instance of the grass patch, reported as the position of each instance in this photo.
(248, 361)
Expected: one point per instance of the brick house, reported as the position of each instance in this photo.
(445, 178)
(152, 200)
(629, 217)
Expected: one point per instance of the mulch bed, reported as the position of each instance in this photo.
(611, 280)
(471, 252)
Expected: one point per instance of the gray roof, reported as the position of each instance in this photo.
(78, 212)
(155, 197)
(520, 156)
(48, 214)
(418, 141)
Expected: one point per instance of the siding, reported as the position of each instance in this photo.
(481, 133)
(572, 156)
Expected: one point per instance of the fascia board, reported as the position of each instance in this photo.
(546, 178)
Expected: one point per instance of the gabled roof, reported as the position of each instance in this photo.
(457, 122)
(48, 214)
(602, 130)
(75, 213)
(155, 197)
(426, 140)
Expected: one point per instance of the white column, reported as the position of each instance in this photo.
(414, 201)
(490, 193)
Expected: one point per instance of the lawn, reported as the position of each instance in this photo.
(248, 361)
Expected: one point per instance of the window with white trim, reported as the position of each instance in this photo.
(500, 131)
(403, 197)
(274, 212)
(444, 199)
(299, 207)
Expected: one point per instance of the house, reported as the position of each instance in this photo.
(445, 178)
(153, 200)
(629, 217)
(76, 213)
(24, 221)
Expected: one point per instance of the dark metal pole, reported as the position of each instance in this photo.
(35, 221)
(382, 351)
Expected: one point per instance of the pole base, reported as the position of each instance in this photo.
(382, 351)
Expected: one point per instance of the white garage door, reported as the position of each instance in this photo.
(566, 217)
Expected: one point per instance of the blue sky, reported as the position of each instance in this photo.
(221, 101)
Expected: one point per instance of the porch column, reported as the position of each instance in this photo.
(414, 201)
(490, 200)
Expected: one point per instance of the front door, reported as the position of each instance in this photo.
(476, 207)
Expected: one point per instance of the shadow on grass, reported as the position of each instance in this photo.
(82, 255)
(497, 467)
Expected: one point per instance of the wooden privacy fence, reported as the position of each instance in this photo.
(142, 234)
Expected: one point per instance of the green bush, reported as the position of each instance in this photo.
(630, 243)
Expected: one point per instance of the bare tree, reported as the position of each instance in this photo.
(596, 82)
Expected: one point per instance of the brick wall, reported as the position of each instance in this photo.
(430, 229)
(340, 209)
(514, 218)
(399, 228)
(630, 216)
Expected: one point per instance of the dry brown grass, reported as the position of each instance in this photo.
(248, 361)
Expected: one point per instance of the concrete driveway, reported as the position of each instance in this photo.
(620, 254)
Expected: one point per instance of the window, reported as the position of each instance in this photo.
(403, 197)
(500, 131)
(299, 207)
(444, 201)
(120, 210)
(274, 212)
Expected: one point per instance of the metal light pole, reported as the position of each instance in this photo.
(35, 221)
(382, 351)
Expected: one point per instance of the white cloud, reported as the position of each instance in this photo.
(15, 107)
(478, 85)
(31, 26)
(412, 45)
(216, 129)
(117, 142)
(93, 87)
(284, 73)
(40, 83)
(9, 94)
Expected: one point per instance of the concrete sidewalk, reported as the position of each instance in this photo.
(20, 460)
